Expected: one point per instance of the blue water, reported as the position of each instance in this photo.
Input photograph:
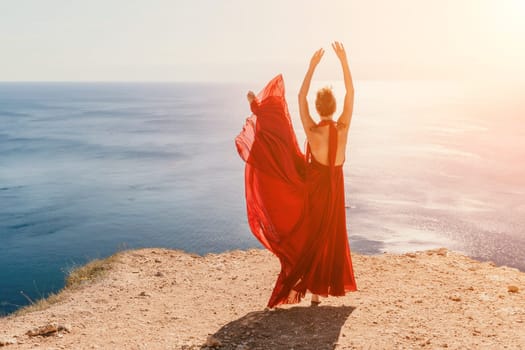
(87, 169)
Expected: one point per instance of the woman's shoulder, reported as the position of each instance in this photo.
(341, 126)
(322, 128)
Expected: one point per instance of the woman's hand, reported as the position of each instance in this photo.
(316, 58)
(339, 51)
(251, 96)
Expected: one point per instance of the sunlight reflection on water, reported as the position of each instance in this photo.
(86, 169)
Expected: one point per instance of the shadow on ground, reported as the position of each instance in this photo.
(295, 328)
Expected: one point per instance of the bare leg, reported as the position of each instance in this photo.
(291, 296)
(315, 300)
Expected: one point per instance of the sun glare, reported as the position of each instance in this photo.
(511, 15)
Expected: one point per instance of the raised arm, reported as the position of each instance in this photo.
(306, 118)
(348, 107)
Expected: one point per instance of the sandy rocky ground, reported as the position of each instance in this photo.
(166, 299)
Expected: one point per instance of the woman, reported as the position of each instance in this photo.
(295, 201)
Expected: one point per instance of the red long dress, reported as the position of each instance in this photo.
(295, 205)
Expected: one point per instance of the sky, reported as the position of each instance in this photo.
(239, 40)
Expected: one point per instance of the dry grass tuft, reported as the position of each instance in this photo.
(40, 304)
(76, 277)
(89, 272)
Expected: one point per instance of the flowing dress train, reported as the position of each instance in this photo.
(295, 205)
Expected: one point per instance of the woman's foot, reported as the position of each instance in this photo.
(250, 96)
(292, 297)
(315, 300)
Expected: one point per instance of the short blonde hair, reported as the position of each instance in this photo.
(325, 102)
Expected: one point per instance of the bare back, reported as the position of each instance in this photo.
(318, 138)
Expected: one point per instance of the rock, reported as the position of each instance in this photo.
(427, 342)
(43, 331)
(48, 330)
(64, 327)
(143, 294)
(513, 289)
(212, 342)
(442, 251)
(6, 342)
(411, 255)
(455, 298)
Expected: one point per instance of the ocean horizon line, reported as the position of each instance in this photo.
(197, 81)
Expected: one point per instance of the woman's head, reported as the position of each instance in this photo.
(325, 102)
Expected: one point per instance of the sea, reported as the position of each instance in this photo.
(90, 169)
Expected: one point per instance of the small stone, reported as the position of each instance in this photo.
(212, 342)
(442, 251)
(143, 294)
(411, 255)
(159, 274)
(64, 328)
(45, 331)
(6, 342)
(455, 298)
(158, 260)
(513, 289)
(425, 343)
